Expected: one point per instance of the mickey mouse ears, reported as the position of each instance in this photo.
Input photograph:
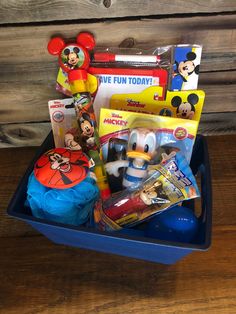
(57, 44)
(86, 39)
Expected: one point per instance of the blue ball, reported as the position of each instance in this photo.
(178, 224)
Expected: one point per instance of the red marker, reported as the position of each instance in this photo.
(111, 57)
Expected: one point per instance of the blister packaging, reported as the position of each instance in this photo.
(170, 183)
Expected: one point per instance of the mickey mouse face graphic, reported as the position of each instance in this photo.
(187, 67)
(87, 128)
(73, 57)
(185, 110)
(86, 125)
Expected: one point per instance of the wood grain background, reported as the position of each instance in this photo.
(38, 276)
(28, 72)
(41, 10)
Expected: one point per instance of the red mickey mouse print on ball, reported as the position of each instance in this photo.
(61, 168)
(74, 55)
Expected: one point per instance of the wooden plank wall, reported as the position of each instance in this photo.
(28, 72)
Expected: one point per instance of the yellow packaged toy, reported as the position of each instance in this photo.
(163, 135)
(170, 132)
(178, 104)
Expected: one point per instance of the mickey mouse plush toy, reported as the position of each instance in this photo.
(185, 110)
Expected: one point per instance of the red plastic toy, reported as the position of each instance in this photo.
(74, 55)
(74, 59)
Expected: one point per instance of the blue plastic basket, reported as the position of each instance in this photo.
(129, 242)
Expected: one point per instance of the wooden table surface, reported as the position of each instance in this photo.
(38, 276)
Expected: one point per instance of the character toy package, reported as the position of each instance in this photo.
(178, 104)
(176, 133)
(132, 141)
(63, 119)
(170, 183)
